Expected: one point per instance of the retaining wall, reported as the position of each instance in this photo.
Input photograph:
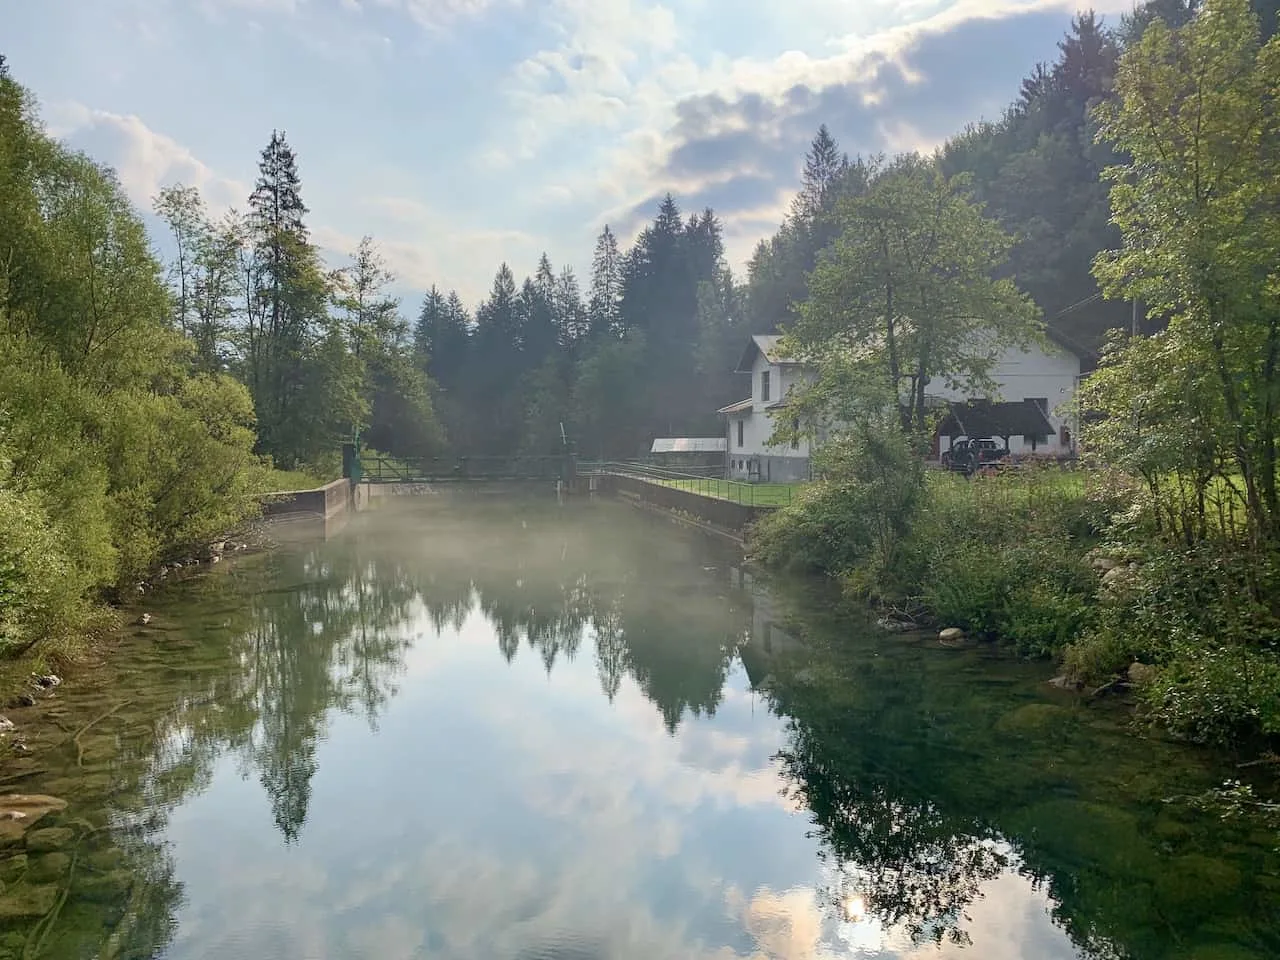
(725, 514)
(325, 502)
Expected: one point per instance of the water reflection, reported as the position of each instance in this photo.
(598, 737)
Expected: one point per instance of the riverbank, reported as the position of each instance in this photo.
(1063, 565)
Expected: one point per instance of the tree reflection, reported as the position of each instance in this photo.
(929, 773)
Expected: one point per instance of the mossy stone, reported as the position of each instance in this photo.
(49, 866)
(25, 901)
(48, 839)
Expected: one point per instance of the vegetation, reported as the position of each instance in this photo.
(118, 446)
(1165, 549)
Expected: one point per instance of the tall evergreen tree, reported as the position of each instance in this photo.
(606, 286)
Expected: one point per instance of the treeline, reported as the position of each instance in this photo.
(117, 446)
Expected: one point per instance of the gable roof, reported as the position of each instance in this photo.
(766, 344)
(736, 407)
(985, 418)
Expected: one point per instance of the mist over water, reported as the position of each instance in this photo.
(479, 725)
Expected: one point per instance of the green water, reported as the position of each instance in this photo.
(484, 727)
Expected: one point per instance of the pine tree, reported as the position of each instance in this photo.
(430, 321)
(606, 286)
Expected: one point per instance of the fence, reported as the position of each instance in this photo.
(715, 487)
(379, 469)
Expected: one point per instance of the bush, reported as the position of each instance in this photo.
(42, 592)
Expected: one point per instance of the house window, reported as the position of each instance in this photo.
(764, 386)
(795, 433)
(740, 423)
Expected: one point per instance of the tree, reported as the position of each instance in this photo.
(606, 286)
(906, 296)
(1196, 114)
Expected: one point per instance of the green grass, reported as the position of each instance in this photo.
(759, 494)
(279, 481)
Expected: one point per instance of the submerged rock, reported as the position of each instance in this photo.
(1063, 682)
(46, 682)
(1033, 718)
(19, 813)
(107, 888)
(12, 868)
(50, 866)
(25, 901)
(49, 838)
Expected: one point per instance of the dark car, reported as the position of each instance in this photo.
(967, 456)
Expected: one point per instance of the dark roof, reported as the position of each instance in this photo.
(764, 343)
(984, 418)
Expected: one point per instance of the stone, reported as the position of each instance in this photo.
(1114, 575)
(19, 813)
(951, 635)
(144, 619)
(13, 867)
(50, 838)
(49, 867)
(106, 860)
(23, 700)
(47, 681)
(26, 902)
(107, 888)
(1063, 682)
(1141, 673)
(217, 547)
(6, 724)
(1033, 718)
(1103, 564)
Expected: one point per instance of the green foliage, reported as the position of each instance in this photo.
(113, 452)
(1196, 115)
(906, 295)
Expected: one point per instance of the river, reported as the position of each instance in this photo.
(479, 726)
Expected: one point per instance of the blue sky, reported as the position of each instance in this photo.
(460, 133)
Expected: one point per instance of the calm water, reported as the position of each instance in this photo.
(494, 728)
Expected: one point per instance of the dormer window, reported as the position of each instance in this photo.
(764, 386)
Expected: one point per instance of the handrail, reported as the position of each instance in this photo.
(718, 488)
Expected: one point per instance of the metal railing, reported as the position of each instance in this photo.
(379, 469)
(715, 487)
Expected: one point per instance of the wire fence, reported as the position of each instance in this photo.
(715, 487)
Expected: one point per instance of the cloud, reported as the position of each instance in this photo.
(435, 15)
(144, 159)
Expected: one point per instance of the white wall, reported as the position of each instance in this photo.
(1052, 373)
(758, 426)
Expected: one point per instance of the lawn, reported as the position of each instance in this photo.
(756, 494)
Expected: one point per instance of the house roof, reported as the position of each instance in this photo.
(985, 418)
(762, 343)
(736, 407)
(688, 445)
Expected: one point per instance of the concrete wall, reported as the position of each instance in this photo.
(725, 514)
(325, 502)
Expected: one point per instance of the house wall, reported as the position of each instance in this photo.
(754, 457)
(1052, 373)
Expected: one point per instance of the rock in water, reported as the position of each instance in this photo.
(6, 724)
(951, 635)
(22, 902)
(49, 839)
(19, 813)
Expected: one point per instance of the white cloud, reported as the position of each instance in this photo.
(144, 159)
(434, 15)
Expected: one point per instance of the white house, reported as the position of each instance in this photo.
(1033, 411)
(751, 421)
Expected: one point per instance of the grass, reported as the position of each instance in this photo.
(279, 481)
(757, 494)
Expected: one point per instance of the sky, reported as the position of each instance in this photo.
(463, 133)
